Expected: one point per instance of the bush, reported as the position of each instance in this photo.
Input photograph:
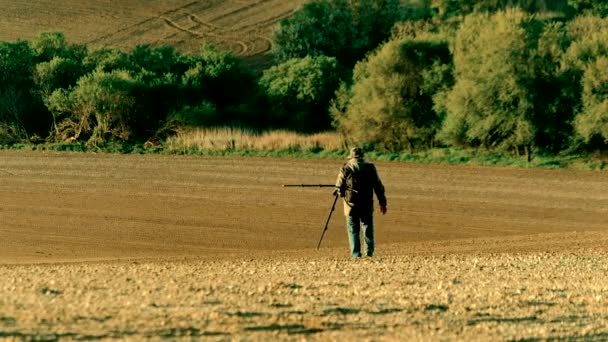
(343, 29)
(59, 72)
(299, 92)
(98, 109)
(186, 118)
(109, 59)
(390, 103)
(20, 106)
(10, 135)
(218, 77)
(151, 63)
(49, 45)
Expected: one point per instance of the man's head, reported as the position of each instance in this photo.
(356, 153)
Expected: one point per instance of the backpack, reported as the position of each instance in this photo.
(353, 181)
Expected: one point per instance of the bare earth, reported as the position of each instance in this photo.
(153, 247)
(147, 247)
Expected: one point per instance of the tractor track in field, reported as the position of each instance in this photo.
(187, 28)
(239, 10)
(241, 27)
(139, 24)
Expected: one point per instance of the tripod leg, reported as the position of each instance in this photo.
(333, 206)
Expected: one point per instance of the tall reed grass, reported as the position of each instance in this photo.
(233, 139)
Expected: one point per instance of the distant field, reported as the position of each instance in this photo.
(240, 26)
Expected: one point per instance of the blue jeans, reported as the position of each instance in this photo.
(354, 222)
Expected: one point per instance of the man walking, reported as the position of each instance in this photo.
(357, 182)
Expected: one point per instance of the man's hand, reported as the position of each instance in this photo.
(383, 210)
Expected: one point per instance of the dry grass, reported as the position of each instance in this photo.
(224, 139)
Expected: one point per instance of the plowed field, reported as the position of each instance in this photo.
(242, 27)
(64, 206)
(96, 246)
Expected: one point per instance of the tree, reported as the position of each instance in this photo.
(390, 103)
(218, 77)
(343, 29)
(20, 108)
(583, 61)
(299, 92)
(16, 61)
(152, 63)
(492, 102)
(592, 123)
(556, 90)
(588, 35)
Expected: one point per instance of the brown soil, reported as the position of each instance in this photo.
(74, 206)
(150, 246)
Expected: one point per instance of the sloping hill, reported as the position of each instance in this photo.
(241, 26)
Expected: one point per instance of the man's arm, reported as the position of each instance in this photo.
(340, 184)
(379, 190)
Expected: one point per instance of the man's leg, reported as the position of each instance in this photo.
(353, 228)
(367, 224)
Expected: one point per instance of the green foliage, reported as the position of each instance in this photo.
(592, 123)
(451, 8)
(390, 103)
(98, 109)
(343, 29)
(9, 134)
(461, 8)
(215, 63)
(59, 66)
(14, 58)
(205, 114)
(492, 102)
(582, 61)
(108, 59)
(415, 29)
(556, 96)
(54, 44)
(589, 37)
(299, 92)
(593, 7)
(152, 63)
(220, 78)
(508, 81)
(20, 107)
(59, 72)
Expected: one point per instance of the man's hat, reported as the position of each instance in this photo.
(356, 152)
